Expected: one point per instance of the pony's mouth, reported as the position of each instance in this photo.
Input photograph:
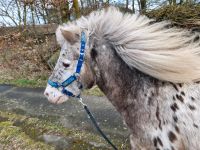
(61, 99)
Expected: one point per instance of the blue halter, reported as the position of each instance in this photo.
(75, 76)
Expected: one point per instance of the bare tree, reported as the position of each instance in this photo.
(7, 12)
(127, 3)
(143, 5)
(18, 3)
(81, 4)
(174, 2)
(133, 6)
(139, 5)
(32, 14)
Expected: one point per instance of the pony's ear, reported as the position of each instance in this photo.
(70, 36)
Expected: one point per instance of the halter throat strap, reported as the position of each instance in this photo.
(75, 76)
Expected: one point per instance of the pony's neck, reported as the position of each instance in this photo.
(118, 82)
(129, 90)
(125, 88)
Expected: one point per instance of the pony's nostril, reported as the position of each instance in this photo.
(46, 94)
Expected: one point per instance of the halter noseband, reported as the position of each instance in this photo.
(75, 76)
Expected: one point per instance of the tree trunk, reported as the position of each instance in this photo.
(76, 8)
(174, 2)
(81, 4)
(65, 14)
(37, 16)
(88, 3)
(19, 12)
(139, 5)
(127, 1)
(181, 1)
(143, 6)
(133, 6)
(25, 16)
(43, 12)
(32, 15)
(170, 2)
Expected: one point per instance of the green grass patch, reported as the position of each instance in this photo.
(42, 82)
(94, 91)
(25, 82)
(13, 137)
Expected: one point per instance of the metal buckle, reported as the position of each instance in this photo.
(81, 101)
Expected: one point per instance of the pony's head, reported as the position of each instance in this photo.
(66, 81)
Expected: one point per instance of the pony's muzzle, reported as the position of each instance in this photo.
(55, 96)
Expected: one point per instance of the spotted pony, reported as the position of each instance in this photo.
(148, 71)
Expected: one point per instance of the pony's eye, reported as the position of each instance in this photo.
(66, 65)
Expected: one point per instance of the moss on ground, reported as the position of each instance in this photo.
(12, 137)
(25, 132)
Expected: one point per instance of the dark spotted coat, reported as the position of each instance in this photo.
(161, 115)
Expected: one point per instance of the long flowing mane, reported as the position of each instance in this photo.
(165, 53)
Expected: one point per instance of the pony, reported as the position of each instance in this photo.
(149, 71)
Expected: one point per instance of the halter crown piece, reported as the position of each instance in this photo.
(75, 76)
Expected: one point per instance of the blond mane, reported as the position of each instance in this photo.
(168, 54)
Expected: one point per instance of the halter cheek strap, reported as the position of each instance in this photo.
(75, 76)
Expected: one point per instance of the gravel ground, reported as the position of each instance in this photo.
(70, 115)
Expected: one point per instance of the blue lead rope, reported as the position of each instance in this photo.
(96, 125)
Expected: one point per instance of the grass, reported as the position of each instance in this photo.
(94, 91)
(12, 137)
(23, 82)
(42, 81)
